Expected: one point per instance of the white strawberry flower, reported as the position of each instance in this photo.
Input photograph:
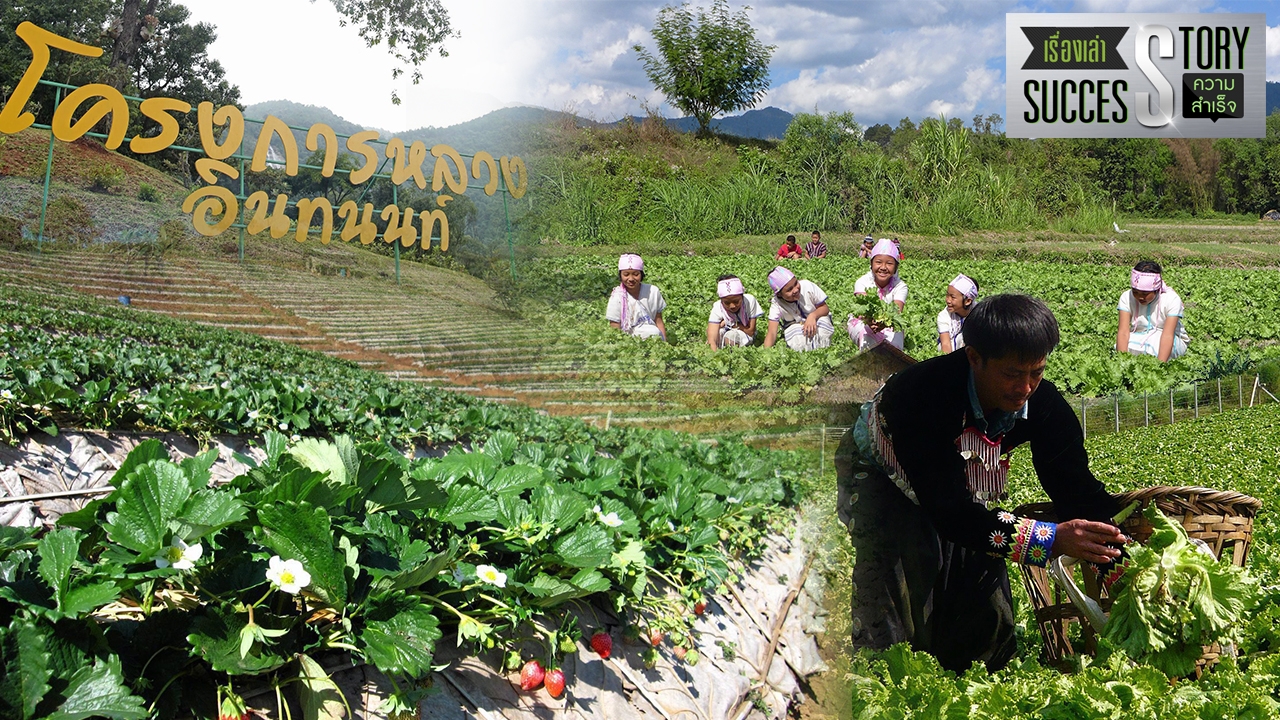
(295, 438)
(179, 555)
(283, 426)
(611, 519)
(288, 575)
(491, 575)
(253, 414)
(7, 394)
(226, 384)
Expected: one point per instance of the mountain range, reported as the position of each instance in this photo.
(504, 132)
(501, 132)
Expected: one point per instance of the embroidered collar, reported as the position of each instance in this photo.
(1000, 421)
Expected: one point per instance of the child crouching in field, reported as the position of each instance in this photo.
(635, 307)
(733, 316)
(962, 293)
(800, 308)
(883, 278)
(1150, 316)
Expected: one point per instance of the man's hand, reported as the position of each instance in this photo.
(1087, 540)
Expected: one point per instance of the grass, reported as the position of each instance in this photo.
(1237, 243)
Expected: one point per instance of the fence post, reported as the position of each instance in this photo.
(1170, 406)
(1195, 393)
(1084, 425)
(48, 171)
(823, 471)
(1240, 388)
(1219, 394)
(1117, 399)
(1146, 411)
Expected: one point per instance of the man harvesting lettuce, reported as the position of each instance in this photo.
(923, 469)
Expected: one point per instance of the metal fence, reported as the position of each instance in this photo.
(1123, 412)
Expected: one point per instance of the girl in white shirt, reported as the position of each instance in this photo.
(883, 277)
(800, 308)
(1150, 316)
(635, 307)
(962, 293)
(733, 316)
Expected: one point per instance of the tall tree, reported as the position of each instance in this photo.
(708, 62)
(412, 29)
(134, 26)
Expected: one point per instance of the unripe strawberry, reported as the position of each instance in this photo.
(233, 708)
(531, 675)
(602, 643)
(555, 682)
(650, 658)
(691, 658)
(567, 644)
(679, 651)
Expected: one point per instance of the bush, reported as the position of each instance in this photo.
(67, 220)
(11, 233)
(148, 192)
(104, 177)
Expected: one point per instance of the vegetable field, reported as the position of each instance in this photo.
(1239, 450)
(1231, 315)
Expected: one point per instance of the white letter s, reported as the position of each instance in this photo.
(1165, 90)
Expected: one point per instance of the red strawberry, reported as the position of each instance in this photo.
(679, 650)
(531, 675)
(602, 643)
(700, 607)
(655, 637)
(555, 682)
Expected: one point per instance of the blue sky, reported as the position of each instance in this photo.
(881, 60)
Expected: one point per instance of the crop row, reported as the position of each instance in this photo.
(333, 544)
(1232, 315)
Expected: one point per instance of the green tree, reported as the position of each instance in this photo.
(818, 147)
(708, 62)
(411, 29)
(879, 134)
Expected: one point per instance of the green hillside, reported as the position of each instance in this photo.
(501, 132)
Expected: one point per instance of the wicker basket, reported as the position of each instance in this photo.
(1222, 519)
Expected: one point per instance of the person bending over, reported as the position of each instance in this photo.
(922, 474)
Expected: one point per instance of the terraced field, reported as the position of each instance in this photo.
(436, 327)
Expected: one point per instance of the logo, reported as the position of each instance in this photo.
(1135, 75)
(1075, 48)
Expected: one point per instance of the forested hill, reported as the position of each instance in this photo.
(501, 132)
(1273, 97)
(766, 124)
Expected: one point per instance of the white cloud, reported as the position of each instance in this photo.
(917, 72)
(882, 60)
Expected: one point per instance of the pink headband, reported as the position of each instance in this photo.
(630, 262)
(779, 278)
(965, 286)
(1145, 282)
(886, 247)
(731, 286)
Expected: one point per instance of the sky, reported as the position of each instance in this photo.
(882, 60)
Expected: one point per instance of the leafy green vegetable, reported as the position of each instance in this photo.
(1174, 598)
(872, 309)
